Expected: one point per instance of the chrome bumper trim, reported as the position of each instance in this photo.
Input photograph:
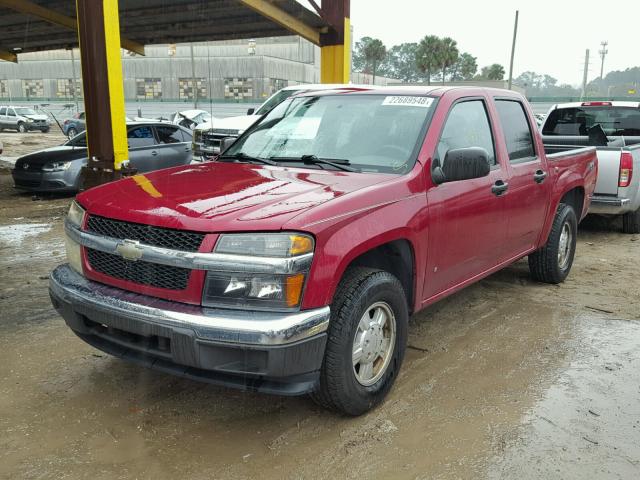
(233, 326)
(220, 262)
(609, 201)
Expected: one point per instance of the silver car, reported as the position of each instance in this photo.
(23, 119)
(152, 146)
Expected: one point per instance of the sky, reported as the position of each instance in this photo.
(552, 35)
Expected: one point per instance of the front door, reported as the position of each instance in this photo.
(467, 228)
(527, 201)
(172, 148)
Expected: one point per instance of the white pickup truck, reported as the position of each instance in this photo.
(614, 129)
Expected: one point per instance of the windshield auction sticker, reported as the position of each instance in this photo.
(408, 101)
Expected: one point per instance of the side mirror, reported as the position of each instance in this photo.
(226, 142)
(251, 111)
(462, 164)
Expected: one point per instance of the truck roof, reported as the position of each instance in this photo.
(433, 90)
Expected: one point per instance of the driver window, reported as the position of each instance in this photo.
(466, 126)
(10, 112)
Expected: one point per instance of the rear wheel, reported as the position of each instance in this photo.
(631, 222)
(366, 341)
(552, 263)
(72, 132)
(22, 128)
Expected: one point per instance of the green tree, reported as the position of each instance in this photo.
(401, 63)
(465, 68)
(429, 56)
(448, 54)
(374, 53)
(494, 71)
(357, 57)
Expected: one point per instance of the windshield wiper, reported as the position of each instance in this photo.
(243, 157)
(337, 163)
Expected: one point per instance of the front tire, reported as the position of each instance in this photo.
(45, 130)
(552, 263)
(72, 132)
(22, 128)
(366, 342)
(631, 222)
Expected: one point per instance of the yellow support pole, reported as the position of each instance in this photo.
(335, 52)
(99, 38)
(335, 60)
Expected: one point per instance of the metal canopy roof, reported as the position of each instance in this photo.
(152, 22)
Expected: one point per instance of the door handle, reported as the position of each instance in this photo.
(539, 176)
(154, 153)
(499, 188)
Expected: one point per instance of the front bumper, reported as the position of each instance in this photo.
(609, 205)
(258, 351)
(39, 181)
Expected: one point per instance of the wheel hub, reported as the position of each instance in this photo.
(373, 343)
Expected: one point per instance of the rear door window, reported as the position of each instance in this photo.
(140, 137)
(3, 111)
(168, 134)
(576, 121)
(516, 129)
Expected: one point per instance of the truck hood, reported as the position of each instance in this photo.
(36, 117)
(222, 197)
(230, 123)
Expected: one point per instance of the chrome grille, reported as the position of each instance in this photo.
(145, 273)
(148, 234)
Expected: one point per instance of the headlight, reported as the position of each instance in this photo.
(29, 120)
(75, 215)
(245, 289)
(74, 254)
(197, 135)
(56, 166)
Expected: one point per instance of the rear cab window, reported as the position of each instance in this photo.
(517, 130)
(576, 121)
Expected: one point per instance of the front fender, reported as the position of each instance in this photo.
(340, 243)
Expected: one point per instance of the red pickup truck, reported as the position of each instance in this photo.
(292, 263)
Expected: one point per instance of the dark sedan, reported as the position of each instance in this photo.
(152, 146)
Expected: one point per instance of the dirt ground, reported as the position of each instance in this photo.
(506, 379)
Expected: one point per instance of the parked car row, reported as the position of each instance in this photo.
(291, 264)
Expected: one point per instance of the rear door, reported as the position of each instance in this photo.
(172, 148)
(143, 152)
(528, 196)
(3, 117)
(467, 225)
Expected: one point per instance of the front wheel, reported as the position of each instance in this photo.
(72, 132)
(631, 222)
(366, 342)
(552, 263)
(22, 128)
(45, 130)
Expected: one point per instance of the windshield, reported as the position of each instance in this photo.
(275, 100)
(374, 133)
(615, 121)
(25, 111)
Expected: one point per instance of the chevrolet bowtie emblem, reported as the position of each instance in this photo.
(25, 166)
(130, 250)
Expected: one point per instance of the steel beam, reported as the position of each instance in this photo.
(8, 56)
(335, 52)
(279, 16)
(99, 37)
(33, 9)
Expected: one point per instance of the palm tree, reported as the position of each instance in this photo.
(448, 55)
(374, 53)
(428, 55)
